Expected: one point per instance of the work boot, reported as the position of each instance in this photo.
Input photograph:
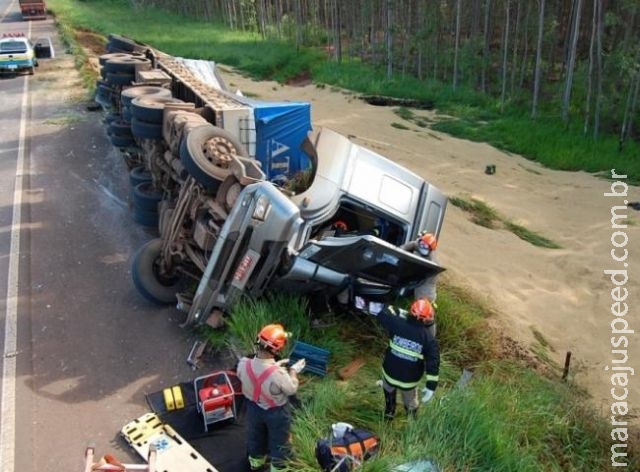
(258, 464)
(389, 405)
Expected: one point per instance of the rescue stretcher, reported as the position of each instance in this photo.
(173, 453)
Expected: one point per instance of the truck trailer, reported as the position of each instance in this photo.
(33, 9)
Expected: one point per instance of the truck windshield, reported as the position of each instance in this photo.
(13, 47)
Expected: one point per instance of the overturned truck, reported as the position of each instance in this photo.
(248, 198)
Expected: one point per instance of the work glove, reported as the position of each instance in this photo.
(427, 395)
(299, 366)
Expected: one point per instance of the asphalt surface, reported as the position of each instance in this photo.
(86, 347)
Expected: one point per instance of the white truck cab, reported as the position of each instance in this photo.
(346, 226)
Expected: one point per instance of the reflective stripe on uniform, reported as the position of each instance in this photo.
(433, 378)
(406, 352)
(396, 383)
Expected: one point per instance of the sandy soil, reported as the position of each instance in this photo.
(563, 294)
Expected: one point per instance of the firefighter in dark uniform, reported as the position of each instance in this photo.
(412, 350)
(267, 385)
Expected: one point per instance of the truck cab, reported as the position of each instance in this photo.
(341, 233)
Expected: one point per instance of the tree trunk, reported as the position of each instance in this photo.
(262, 19)
(457, 45)
(538, 67)
(389, 37)
(587, 106)
(514, 59)
(525, 53)
(485, 49)
(505, 47)
(629, 109)
(596, 114)
(338, 32)
(568, 84)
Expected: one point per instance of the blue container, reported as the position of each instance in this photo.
(281, 127)
(316, 358)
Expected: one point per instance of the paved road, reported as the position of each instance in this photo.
(81, 348)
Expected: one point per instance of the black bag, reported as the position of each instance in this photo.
(346, 453)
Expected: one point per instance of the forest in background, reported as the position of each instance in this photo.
(577, 59)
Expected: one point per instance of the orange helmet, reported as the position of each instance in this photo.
(422, 310)
(427, 242)
(272, 337)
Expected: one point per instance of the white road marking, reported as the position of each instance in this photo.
(8, 412)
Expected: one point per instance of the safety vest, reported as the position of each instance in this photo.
(258, 381)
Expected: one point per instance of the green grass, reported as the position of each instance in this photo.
(483, 215)
(507, 418)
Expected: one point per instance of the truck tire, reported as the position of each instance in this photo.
(203, 148)
(126, 65)
(115, 41)
(130, 93)
(144, 130)
(121, 141)
(155, 287)
(138, 175)
(119, 128)
(146, 197)
(114, 55)
(120, 78)
(228, 192)
(150, 108)
(148, 219)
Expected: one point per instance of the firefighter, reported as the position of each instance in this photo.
(267, 385)
(412, 350)
(425, 245)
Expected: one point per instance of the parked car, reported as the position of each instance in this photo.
(18, 53)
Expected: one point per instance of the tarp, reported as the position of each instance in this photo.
(280, 130)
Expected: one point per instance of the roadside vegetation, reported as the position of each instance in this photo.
(515, 413)
(483, 215)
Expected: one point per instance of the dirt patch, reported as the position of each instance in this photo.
(95, 44)
(301, 80)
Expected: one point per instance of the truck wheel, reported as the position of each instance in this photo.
(138, 175)
(126, 65)
(146, 197)
(144, 130)
(150, 108)
(147, 218)
(228, 192)
(130, 93)
(204, 152)
(120, 78)
(149, 281)
(32, 70)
